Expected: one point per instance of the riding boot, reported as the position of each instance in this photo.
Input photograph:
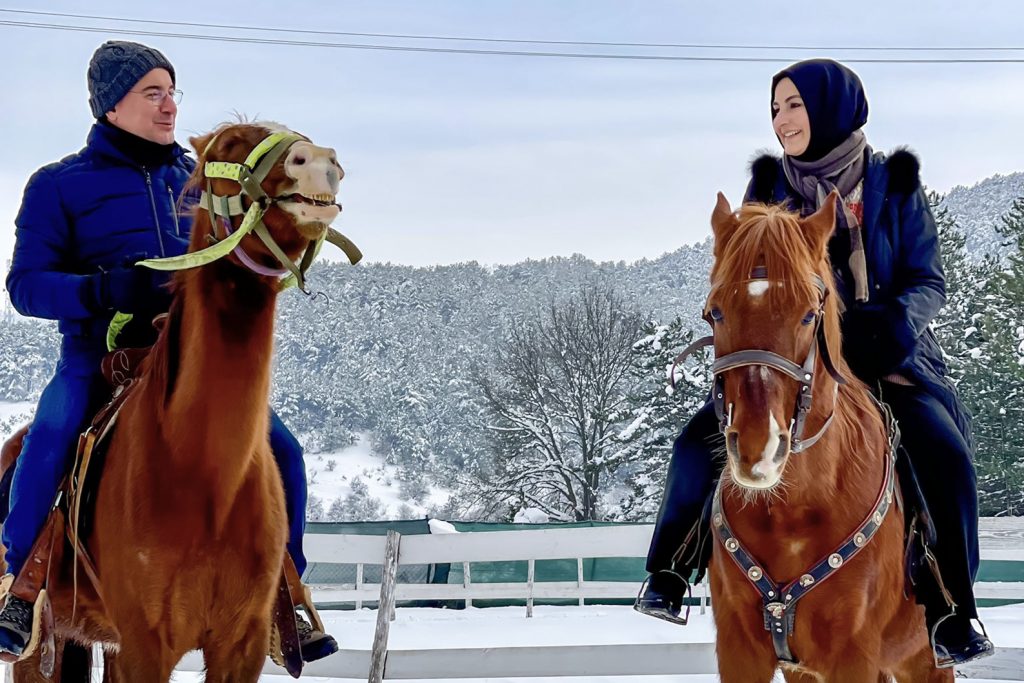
(680, 545)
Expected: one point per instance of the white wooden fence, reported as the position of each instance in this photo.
(1002, 539)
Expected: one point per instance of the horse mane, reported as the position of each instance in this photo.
(164, 359)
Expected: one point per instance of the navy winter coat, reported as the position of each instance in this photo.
(92, 211)
(890, 332)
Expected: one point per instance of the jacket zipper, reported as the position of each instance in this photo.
(174, 210)
(156, 216)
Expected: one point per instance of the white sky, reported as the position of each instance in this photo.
(497, 159)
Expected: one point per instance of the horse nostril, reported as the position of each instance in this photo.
(299, 161)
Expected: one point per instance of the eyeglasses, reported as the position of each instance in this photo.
(156, 97)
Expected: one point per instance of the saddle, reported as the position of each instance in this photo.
(71, 520)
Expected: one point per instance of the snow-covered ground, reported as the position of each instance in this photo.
(419, 628)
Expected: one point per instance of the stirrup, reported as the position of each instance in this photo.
(946, 660)
(41, 613)
(678, 617)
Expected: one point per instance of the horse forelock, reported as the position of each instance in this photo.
(767, 237)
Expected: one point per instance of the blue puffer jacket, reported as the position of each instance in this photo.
(92, 211)
(907, 287)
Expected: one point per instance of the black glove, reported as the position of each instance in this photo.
(870, 346)
(132, 289)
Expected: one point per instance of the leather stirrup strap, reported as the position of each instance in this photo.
(287, 630)
(301, 596)
(35, 573)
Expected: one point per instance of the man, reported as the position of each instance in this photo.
(84, 221)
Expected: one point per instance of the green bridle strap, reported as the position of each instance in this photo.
(269, 243)
(117, 323)
(211, 253)
(345, 244)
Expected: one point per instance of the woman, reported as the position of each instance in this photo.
(888, 271)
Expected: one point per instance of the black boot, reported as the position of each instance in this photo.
(15, 625)
(662, 597)
(956, 642)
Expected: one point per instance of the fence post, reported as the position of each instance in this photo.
(385, 609)
(467, 579)
(704, 596)
(529, 588)
(579, 577)
(359, 585)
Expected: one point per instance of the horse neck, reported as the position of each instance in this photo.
(219, 409)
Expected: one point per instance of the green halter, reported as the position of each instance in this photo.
(249, 175)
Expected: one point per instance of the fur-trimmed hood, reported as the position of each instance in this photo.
(902, 168)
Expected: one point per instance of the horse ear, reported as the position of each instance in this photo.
(819, 226)
(723, 223)
(199, 143)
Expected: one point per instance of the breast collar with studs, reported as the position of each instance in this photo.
(780, 600)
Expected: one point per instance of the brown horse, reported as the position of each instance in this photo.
(190, 525)
(807, 573)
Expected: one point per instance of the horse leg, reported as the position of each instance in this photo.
(138, 660)
(799, 677)
(27, 670)
(73, 664)
(752, 669)
(852, 671)
(109, 665)
(920, 668)
(239, 659)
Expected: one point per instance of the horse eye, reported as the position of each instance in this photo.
(716, 314)
(809, 318)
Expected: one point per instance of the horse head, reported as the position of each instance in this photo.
(774, 325)
(270, 183)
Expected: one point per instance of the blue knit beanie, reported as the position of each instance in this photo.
(115, 68)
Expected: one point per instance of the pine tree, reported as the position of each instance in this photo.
(657, 412)
(1000, 460)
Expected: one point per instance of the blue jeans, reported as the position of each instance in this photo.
(65, 409)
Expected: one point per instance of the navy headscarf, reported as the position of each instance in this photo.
(835, 101)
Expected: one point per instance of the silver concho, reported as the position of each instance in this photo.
(835, 560)
(806, 580)
(859, 540)
(754, 573)
(732, 545)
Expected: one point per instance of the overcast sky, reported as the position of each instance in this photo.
(495, 159)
